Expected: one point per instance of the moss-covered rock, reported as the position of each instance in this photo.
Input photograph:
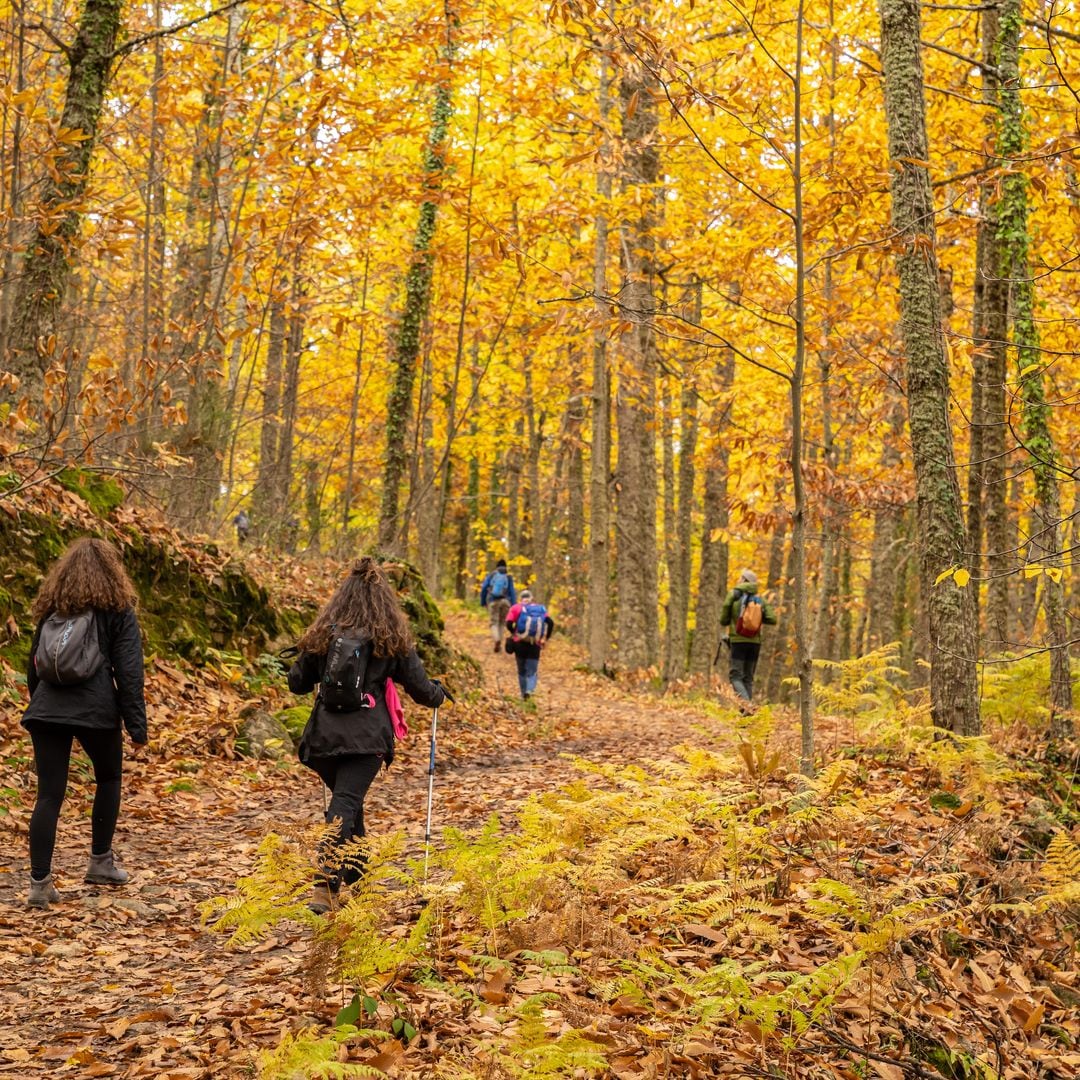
(294, 720)
(100, 492)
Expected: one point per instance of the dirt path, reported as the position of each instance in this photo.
(126, 983)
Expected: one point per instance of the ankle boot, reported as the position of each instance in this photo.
(323, 899)
(42, 893)
(104, 871)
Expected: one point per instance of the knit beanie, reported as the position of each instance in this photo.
(749, 577)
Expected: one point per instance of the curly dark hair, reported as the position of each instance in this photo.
(90, 574)
(364, 601)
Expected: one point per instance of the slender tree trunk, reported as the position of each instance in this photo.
(266, 485)
(47, 268)
(953, 686)
(13, 192)
(1035, 423)
(576, 555)
(599, 607)
(803, 646)
(354, 405)
(885, 547)
(204, 434)
(713, 571)
(417, 303)
(671, 550)
(771, 651)
(635, 485)
(290, 402)
(988, 510)
(683, 524)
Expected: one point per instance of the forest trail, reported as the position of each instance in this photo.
(127, 983)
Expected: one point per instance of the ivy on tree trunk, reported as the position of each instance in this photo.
(417, 303)
(951, 609)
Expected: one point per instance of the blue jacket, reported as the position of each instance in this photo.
(511, 593)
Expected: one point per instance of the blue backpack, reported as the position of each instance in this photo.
(531, 623)
(500, 585)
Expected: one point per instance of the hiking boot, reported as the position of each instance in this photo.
(104, 871)
(323, 899)
(42, 893)
(498, 646)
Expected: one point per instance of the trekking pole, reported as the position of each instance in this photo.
(430, 790)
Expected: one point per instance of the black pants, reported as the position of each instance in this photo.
(348, 776)
(52, 753)
(744, 657)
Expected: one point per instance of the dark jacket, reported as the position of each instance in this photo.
(111, 696)
(729, 613)
(527, 649)
(366, 731)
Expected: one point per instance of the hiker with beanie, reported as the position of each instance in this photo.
(497, 594)
(85, 678)
(745, 611)
(358, 646)
(530, 628)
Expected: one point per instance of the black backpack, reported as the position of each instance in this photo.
(68, 652)
(342, 687)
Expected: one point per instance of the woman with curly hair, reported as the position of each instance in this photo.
(86, 680)
(347, 739)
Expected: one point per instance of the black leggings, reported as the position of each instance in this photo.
(52, 753)
(348, 776)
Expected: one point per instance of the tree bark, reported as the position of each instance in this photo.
(1035, 411)
(635, 486)
(988, 509)
(52, 251)
(953, 685)
(417, 304)
(599, 605)
(713, 571)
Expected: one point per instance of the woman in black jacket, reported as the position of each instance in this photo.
(91, 705)
(346, 742)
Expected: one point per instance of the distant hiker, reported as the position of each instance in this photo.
(745, 611)
(243, 526)
(86, 682)
(530, 627)
(358, 641)
(497, 594)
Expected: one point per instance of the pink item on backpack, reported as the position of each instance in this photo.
(397, 713)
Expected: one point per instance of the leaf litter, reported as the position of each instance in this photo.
(962, 971)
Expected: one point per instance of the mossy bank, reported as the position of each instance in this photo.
(193, 598)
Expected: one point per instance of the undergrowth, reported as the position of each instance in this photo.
(716, 897)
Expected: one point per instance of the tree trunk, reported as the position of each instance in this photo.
(713, 571)
(671, 541)
(354, 405)
(203, 437)
(46, 271)
(988, 510)
(576, 555)
(635, 486)
(886, 546)
(266, 486)
(415, 311)
(599, 607)
(1035, 411)
(951, 609)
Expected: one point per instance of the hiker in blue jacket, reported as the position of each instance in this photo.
(530, 627)
(497, 594)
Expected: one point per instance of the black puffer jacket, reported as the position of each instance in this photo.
(113, 694)
(366, 731)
